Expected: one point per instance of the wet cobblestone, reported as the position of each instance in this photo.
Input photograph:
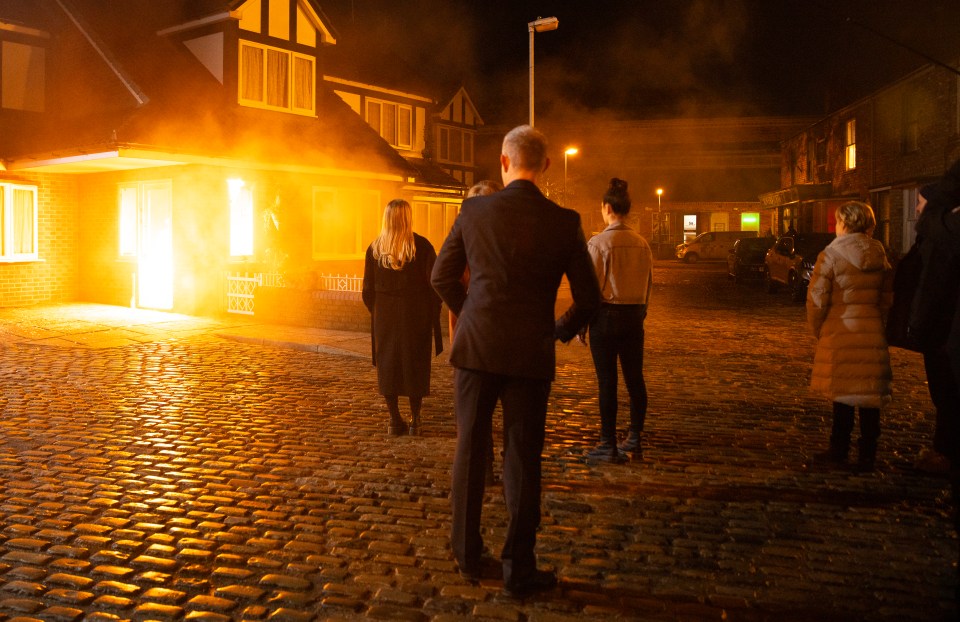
(200, 478)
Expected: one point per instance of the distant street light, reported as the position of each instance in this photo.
(569, 152)
(659, 221)
(541, 24)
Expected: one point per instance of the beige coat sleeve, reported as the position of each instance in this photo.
(819, 293)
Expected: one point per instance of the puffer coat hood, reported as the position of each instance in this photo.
(863, 252)
(849, 292)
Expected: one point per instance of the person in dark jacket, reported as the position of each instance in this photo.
(519, 246)
(405, 313)
(940, 381)
(935, 313)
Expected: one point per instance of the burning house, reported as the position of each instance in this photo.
(160, 153)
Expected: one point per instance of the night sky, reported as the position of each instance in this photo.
(658, 58)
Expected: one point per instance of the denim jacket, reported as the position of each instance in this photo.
(623, 261)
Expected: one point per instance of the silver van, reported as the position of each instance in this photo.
(714, 245)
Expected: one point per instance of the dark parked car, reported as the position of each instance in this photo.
(790, 262)
(747, 258)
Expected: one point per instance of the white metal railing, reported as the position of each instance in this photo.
(241, 288)
(340, 282)
(272, 279)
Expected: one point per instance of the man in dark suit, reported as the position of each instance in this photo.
(518, 245)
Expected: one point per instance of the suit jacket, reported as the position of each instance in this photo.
(519, 245)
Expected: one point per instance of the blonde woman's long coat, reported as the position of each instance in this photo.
(848, 296)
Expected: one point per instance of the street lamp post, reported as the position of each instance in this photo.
(569, 152)
(541, 24)
(659, 222)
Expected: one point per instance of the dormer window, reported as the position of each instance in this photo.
(394, 122)
(276, 79)
(22, 76)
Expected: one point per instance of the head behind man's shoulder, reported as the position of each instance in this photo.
(524, 154)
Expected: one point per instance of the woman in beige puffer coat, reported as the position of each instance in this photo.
(848, 296)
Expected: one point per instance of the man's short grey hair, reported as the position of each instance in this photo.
(526, 147)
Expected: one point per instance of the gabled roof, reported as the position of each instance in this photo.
(171, 107)
(448, 100)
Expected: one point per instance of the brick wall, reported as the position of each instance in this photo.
(315, 308)
(54, 278)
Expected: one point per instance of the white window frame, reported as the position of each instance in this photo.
(293, 92)
(850, 145)
(8, 240)
(396, 140)
(445, 151)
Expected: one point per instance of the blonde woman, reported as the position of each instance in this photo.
(405, 313)
(849, 293)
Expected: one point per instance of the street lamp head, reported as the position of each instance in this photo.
(659, 191)
(571, 151)
(543, 24)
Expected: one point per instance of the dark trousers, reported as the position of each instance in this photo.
(524, 403)
(946, 400)
(616, 333)
(843, 415)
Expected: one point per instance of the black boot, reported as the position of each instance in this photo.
(397, 426)
(415, 404)
(869, 433)
(839, 436)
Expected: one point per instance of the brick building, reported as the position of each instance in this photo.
(881, 149)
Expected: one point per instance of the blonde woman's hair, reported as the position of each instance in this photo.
(856, 216)
(394, 247)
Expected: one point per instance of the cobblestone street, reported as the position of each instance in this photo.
(202, 478)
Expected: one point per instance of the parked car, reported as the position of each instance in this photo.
(711, 245)
(747, 258)
(790, 262)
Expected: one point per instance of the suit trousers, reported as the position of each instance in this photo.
(524, 403)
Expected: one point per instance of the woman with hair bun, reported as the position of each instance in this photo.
(623, 262)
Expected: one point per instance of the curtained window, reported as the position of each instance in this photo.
(18, 220)
(276, 79)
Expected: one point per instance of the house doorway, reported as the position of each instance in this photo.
(146, 236)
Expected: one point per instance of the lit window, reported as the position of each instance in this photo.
(18, 221)
(276, 79)
(241, 218)
(392, 121)
(851, 145)
(345, 222)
